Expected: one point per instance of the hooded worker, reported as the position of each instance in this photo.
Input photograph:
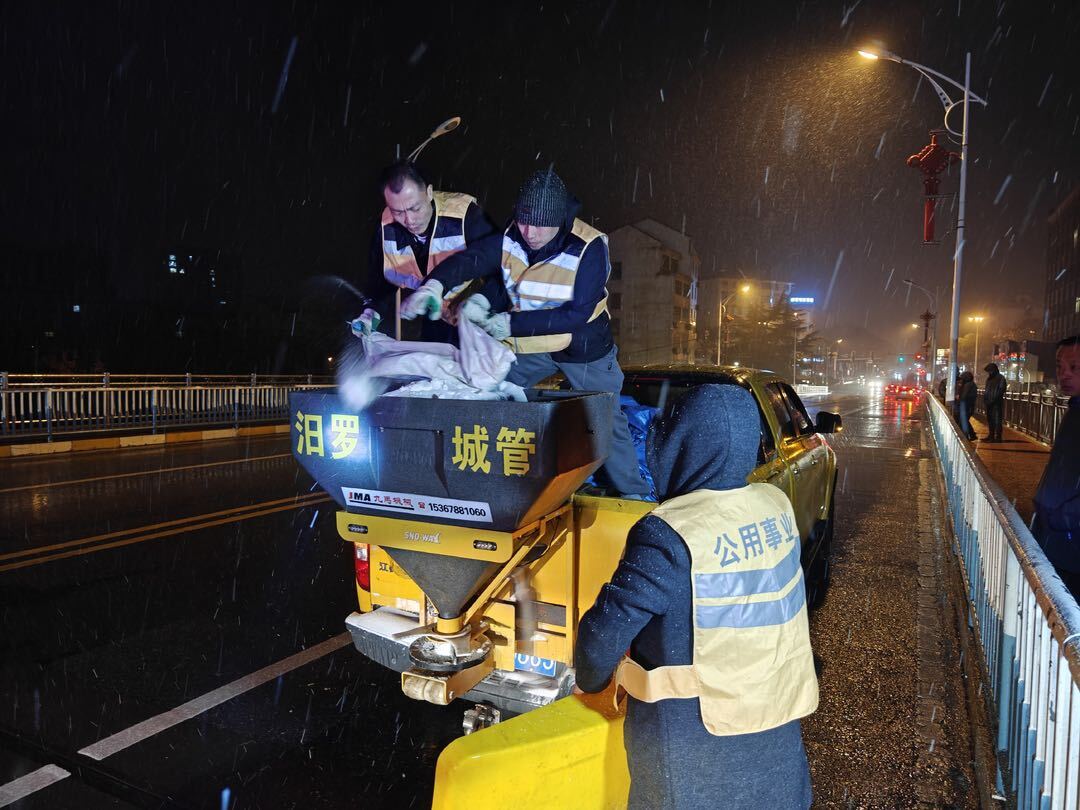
(709, 599)
(546, 297)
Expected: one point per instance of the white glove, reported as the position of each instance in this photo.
(476, 309)
(425, 300)
(498, 326)
(367, 323)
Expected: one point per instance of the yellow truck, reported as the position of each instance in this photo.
(475, 552)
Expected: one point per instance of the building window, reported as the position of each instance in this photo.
(669, 266)
(616, 271)
(1076, 305)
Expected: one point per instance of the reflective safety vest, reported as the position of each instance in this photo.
(753, 669)
(547, 284)
(447, 238)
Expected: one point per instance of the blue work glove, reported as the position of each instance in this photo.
(476, 309)
(498, 326)
(367, 323)
(425, 300)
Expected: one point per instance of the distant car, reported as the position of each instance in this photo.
(903, 391)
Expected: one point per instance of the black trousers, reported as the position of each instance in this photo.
(995, 418)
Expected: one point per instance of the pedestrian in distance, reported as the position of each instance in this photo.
(546, 297)
(1057, 499)
(709, 598)
(994, 400)
(957, 389)
(419, 229)
(968, 394)
(942, 388)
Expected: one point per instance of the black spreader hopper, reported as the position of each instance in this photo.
(481, 465)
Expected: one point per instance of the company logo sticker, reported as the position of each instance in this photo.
(409, 504)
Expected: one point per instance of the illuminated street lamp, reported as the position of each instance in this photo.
(976, 319)
(932, 77)
(745, 288)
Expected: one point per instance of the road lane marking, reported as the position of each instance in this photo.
(140, 472)
(193, 708)
(191, 527)
(27, 552)
(31, 783)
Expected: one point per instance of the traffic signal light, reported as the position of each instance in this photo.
(900, 359)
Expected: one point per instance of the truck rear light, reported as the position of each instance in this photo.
(363, 567)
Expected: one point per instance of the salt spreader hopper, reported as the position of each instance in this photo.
(474, 559)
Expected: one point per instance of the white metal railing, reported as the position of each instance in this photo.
(108, 379)
(44, 411)
(804, 390)
(1028, 627)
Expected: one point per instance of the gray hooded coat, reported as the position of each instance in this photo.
(709, 440)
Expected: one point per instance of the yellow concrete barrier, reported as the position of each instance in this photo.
(141, 441)
(40, 449)
(138, 440)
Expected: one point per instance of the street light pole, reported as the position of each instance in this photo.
(720, 325)
(958, 257)
(932, 77)
(932, 297)
(977, 320)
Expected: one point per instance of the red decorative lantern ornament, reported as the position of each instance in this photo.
(932, 161)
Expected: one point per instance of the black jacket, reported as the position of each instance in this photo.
(1057, 500)
(589, 340)
(994, 390)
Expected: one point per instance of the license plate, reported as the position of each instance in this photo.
(532, 663)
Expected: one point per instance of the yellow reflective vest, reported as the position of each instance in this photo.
(753, 669)
(547, 284)
(447, 238)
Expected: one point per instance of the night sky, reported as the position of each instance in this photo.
(133, 127)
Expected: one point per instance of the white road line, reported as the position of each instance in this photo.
(193, 708)
(31, 783)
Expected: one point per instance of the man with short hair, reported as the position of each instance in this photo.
(994, 399)
(546, 297)
(1057, 500)
(419, 228)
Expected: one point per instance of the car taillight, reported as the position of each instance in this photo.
(363, 567)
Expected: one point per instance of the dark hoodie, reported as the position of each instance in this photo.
(590, 340)
(708, 440)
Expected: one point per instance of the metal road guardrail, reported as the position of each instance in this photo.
(46, 411)
(107, 379)
(1028, 627)
(1038, 413)
(1035, 413)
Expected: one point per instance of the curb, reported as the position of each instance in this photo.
(119, 442)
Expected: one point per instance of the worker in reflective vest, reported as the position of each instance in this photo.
(419, 228)
(546, 297)
(710, 601)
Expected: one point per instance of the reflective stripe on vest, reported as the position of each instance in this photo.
(547, 284)
(447, 238)
(753, 667)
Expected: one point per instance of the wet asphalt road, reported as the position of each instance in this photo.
(133, 582)
(100, 640)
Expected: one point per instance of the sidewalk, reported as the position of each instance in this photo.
(1016, 464)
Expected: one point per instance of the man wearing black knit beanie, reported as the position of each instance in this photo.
(547, 299)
